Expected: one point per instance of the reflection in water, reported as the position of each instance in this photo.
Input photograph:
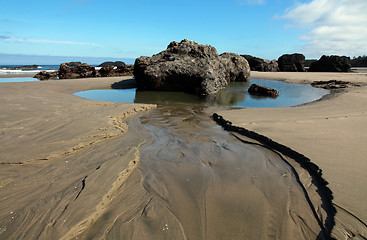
(166, 98)
(234, 95)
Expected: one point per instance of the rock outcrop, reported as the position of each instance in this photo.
(331, 64)
(25, 67)
(115, 64)
(113, 71)
(76, 70)
(261, 65)
(44, 75)
(190, 67)
(263, 91)
(292, 63)
(333, 84)
(106, 71)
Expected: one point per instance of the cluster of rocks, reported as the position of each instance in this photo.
(286, 63)
(116, 70)
(25, 67)
(261, 65)
(331, 64)
(333, 84)
(73, 70)
(44, 75)
(296, 63)
(190, 67)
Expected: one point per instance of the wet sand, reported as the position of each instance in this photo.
(331, 132)
(76, 168)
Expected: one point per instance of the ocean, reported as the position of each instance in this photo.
(12, 69)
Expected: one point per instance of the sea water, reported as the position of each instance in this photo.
(9, 69)
(234, 95)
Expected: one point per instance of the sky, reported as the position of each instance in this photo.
(91, 30)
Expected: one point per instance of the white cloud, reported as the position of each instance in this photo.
(336, 26)
(13, 39)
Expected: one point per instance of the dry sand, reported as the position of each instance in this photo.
(331, 132)
(68, 163)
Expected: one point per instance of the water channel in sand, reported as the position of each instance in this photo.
(193, 180)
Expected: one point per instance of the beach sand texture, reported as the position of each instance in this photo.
(331, 132)
(75, 168)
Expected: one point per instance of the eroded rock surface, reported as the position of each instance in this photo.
(292, 63)
(263, 91)
(331, 64)
(190, 67)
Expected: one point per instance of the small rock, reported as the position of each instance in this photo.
(263, 91)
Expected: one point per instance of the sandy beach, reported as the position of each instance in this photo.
(68, 163)
(331, 132)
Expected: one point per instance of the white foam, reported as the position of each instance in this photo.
(9, 71)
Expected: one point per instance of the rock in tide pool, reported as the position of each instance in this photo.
(190, 67)
(263, 91)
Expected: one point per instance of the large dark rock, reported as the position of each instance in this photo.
(331, 64)
(261, 65)
(292, 63)
(263, 91)
(106, 71)
(190, 67)
(44, 75)
(124, 70)
(113, 71)
(115, 64)
(76, 70)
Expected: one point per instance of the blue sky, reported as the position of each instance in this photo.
(129, 29)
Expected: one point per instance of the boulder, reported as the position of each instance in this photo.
(125, 70)
(331, 64)
(292, 63)
(44, 75)
(263, 91)
(113, 71)
(76, 70)
(115, 64)
(190, 67)
(74, 64)
(106, 71)
(261, 65)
